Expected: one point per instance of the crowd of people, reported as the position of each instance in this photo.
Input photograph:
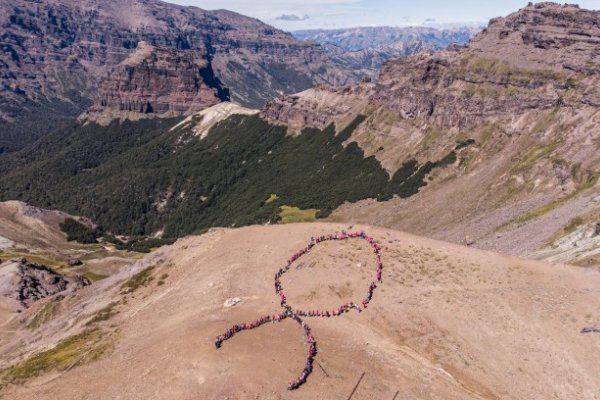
(310, 359)
(242, 327)
(289, 312)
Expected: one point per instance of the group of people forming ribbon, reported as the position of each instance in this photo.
(289, 312)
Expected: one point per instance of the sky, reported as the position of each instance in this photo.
(293, 15)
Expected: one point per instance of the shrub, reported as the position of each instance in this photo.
(79, 232)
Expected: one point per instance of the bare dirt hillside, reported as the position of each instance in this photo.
(31, 227)
(448, 322)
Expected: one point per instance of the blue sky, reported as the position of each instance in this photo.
(307, 14)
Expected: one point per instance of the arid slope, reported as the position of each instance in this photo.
(448, 323)
(31, 227)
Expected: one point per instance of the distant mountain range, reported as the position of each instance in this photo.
(365, 49)
(361, 38)
(147, 58)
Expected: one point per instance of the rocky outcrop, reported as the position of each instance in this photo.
(23, 283)
(458, 89)
(544, 36)
(159, 81)
(319, 107)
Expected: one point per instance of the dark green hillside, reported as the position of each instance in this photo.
(136, 178)
(36, 118)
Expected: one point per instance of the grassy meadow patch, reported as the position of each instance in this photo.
(290, 215)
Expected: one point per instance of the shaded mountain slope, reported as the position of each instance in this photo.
(167, 176)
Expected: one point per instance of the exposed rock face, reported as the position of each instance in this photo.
(206, 119)
(23, 283)
(459, 89)
(538, 58)
(320, 106)
(61, 50)
(160, 81)
(544, 36)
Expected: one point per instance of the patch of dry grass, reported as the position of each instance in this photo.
(47, 313)
(290, 215)
(141, 279)
(79, 349)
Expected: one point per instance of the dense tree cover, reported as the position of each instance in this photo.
(77, 231)
(139, 244)
(136, 178)
(36, 118)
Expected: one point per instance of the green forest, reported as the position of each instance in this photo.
(137, 178)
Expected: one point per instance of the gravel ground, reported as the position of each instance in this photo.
(5, 243)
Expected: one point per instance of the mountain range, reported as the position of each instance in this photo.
(140, 56)
(366, 49)
(377, 37)
(496, 124)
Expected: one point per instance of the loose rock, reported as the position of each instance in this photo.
(232, 302)
(23, 283)
(74, 262)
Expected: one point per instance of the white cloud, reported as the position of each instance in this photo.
(292, 17)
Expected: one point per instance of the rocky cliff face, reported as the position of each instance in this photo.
(539, 58)
(159, 81)
(544, 36)
(57, 54)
